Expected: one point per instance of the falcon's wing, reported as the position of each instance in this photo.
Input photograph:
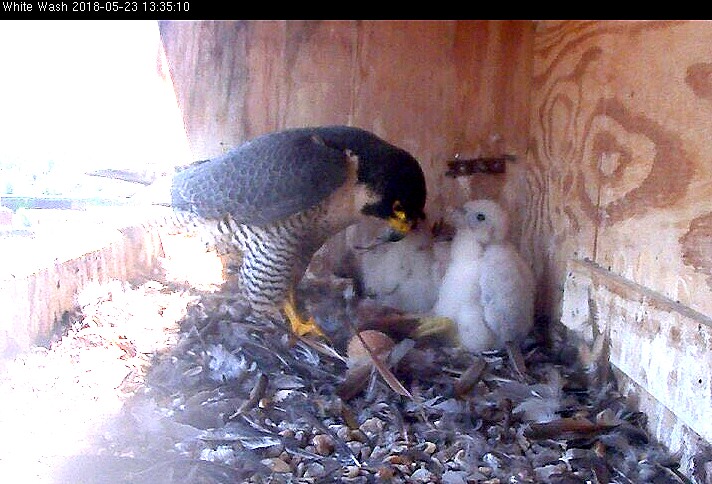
(266, 179)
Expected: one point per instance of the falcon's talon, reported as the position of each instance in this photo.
(303, 328)
(297, 323)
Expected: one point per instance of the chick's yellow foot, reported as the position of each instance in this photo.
(436, 326)
(299, 325)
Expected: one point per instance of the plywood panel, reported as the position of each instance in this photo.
(621, 144)
(639, 326)
(209, 61)
(621, 129)
(654, 155)
(236, 80)
(319, 72)
(563, 192)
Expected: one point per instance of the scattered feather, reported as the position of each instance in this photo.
(233, 400)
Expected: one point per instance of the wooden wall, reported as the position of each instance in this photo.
(436, 88)
(619, 187)
(621, 155)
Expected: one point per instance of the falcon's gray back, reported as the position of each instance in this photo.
(265, 179)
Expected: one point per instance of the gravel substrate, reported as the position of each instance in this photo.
(200, 394)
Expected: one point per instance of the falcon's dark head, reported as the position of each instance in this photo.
(398, 183)
(392, 176)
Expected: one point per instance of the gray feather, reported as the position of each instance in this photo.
(264, 180)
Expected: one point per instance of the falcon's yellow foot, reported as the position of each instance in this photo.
(436, 326)
(299, 325)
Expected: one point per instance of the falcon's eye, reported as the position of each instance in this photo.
(481, 217)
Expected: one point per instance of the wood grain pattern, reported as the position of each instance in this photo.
(437, 88)
(620, 141)
(620, 127)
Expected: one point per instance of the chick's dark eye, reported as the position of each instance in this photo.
(481, 216)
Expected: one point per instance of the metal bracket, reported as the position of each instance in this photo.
(483, 164)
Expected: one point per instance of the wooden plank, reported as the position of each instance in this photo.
(319, 71)
(662, 349)
(208, 62)
(36, 292)
(620, 147)
(236, 80)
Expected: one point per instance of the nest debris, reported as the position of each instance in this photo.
(223, 399)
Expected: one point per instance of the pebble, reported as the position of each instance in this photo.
(385, 472)
(355, 446)
(429, 448)
(486, 470)
(421, 475)
(300, 470)
(301, 436)
(459, 459)
(544, 473)
(323, 444)
(379, 453)
(352, 471)
(276, 465)
(398, 460)
(274, 450)
(372, 426)
(314, 470)
(342, 432)
(358, 435)
(454, 477)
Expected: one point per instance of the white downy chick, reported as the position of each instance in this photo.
(488, 289)
(405, 274)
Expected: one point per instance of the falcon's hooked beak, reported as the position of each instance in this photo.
(399, 224)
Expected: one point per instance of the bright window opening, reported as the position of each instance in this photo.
(80, 96)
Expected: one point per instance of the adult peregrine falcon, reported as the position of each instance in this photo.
(280, 196)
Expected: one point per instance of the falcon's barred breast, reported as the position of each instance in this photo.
(280, 196)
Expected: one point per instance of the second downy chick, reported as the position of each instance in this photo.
(488, 289)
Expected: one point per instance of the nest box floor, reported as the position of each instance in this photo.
(159, 383)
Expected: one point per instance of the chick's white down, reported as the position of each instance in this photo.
(488, 289)
(406, 274)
